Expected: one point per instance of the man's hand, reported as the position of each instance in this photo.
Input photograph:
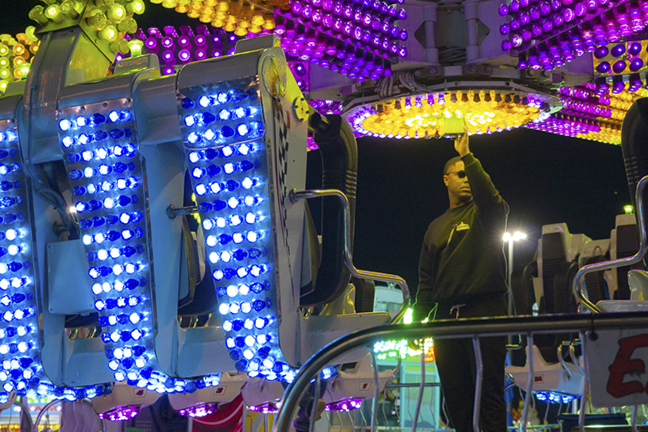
(461, 144)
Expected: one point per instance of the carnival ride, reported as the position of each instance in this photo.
(157, 237)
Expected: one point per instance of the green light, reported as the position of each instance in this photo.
(54, 13)
(4, 62)
(5, 73)
(136, 6)
(3, 85)
(136, 47)
(407, 318)
(628, 209)
(37, 14)
(109, 34)
(4, 50)
(116, 13)
(24, 69)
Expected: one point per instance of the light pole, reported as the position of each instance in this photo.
(511, 239)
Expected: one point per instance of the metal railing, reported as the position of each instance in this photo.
(581, 294)
(348, 259)
(462, 328)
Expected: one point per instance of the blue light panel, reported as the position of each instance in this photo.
(20, 365)
(107, 179)
(223, 131)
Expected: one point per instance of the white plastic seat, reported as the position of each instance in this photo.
(548, 377)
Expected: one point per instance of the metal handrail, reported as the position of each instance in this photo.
(479, 327)
(577, 289)
(348, 259)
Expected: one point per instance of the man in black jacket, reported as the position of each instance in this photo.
(462, 275)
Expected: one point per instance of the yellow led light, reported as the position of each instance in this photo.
(5, 73)
(97, 21)
(136, 6)
(427, 116)
(116, 13)
(156, 1)
(68, 8)
(4, 50)
(38, 14)
(120, 47)
(53, 12)
(128, 26)
(109, 34)
(17, 61)
(30, 33)
(4, 62)
(628, 209)
(3, 85)
(19, 49)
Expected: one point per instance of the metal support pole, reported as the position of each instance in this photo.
(479, 380)
(471, 14)
(419, 399)
(173, 212)
(528, 396)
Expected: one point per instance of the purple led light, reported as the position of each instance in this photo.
(271, 407)
(200, 54)
(601, 52)
(168, 57)
(619, 66)
(345, 405)
(200, 410)
(636, 65)
(618, 50)
(121, 413)
(603, 67)
(634, 48)
(167, 42)
(151, 43)
(184, 56)
(184, 41)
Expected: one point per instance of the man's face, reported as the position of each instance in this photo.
(458, 187)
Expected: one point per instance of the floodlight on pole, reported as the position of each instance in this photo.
(511, 238)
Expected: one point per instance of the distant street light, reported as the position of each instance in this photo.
(511, 239)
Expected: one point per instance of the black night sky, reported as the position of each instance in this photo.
(545, 179)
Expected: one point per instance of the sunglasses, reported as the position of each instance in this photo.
(460, 173)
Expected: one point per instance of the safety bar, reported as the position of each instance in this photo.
(481, 327)
(348, 259)
(577, 289)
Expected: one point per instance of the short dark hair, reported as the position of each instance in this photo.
(452, 162)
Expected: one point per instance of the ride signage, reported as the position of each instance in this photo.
(617, 362)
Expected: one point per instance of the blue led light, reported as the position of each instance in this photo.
(113, 233)
(229, 175)
(20, 348)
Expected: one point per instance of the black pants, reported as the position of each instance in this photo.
(455, 360)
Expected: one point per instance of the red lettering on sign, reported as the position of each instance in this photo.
(623, 365)
(538, 378)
